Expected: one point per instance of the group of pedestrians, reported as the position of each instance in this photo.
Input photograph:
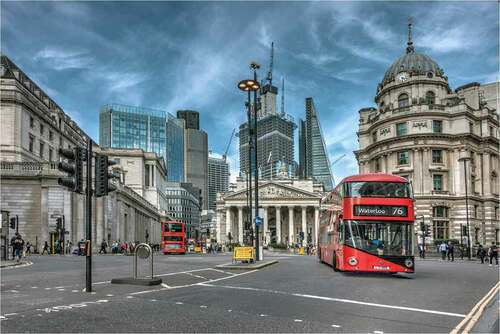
(447, 250)
(491, 252)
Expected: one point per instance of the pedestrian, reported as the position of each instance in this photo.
(104, 245)
(46, 248)
(451, 251)
(493, 253)
(18, 247)
(443, 249)
(481, 253)
(28, 248)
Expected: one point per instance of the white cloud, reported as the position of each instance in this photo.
(61, 59)
(318, 59)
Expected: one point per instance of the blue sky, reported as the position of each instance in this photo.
(190, 55)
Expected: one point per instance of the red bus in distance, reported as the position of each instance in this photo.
(173, 239)
(366, 225)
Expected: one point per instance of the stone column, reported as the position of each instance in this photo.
(304, 223)
(228, 222)
(290, 225)
(278, 224)
(218, 226)
(240, 224)
(316, 226)
(44, 218)
(265, 227)
(486, 177)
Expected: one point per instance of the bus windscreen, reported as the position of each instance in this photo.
(173, 227)
(378, 189)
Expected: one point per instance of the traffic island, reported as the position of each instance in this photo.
(247, 266)
(137, 281)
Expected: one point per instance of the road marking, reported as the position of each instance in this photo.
(74, 290)
(297, 320)
(179, 303)
(222, 271)
(109, 295)
(197, 276)
(378, 332)
(476, 311)
(336, 326)
(203, 306)
(15, 291)
(34, 287)
(230, 310)
(103, 282)
(9, 314)
(153, 300)
(129, 297)
(263, 315)
(60, 289)
(349, 301)
(48, 288)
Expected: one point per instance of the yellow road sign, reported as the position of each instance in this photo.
(243, 253)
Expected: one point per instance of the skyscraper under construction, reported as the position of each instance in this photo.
(275, 134)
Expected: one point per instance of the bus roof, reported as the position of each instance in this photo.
(375, 177)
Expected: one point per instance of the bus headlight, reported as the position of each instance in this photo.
(352, 261)
(409, 263)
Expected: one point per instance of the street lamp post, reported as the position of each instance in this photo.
(254, 66)
(249, 86)
(465, 159)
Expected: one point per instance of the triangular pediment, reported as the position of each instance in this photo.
(272, 190)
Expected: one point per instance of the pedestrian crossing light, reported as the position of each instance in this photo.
(73, 166)
(59, 224)
(12, 223)
(103, 186)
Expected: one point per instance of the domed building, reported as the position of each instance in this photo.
(445, 142)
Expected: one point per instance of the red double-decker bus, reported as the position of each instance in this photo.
(173, 239)
(367, 225)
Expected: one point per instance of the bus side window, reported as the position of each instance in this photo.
(341, 231)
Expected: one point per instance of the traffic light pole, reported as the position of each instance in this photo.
(255, 136)
(88, 218)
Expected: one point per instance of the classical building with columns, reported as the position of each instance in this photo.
(445, 141)
(288, 205)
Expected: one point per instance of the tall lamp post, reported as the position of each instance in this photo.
(465, 159)
(252, 85)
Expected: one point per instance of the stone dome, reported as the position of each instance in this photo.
(412, 62)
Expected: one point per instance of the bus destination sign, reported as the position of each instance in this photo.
(380, 210)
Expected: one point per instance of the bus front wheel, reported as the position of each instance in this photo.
(334, 262)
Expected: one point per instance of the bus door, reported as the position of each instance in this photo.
(340, 242)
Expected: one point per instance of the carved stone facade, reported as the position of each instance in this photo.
(444, 141)
(288, 207)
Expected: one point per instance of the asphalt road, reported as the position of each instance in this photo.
(296, 295)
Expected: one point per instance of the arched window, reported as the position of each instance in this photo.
(403, 100)
(430, 97)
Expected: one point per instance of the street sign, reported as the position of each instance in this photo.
(258, 221)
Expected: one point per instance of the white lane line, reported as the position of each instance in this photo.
(263, 315)
(378, 332)
(109, 295)
(103, 282)
(34, 287)
(60, 289)
(74, 290)
(349, 301)
(9, 314)
(203, 306)
(179, 303)
(230, 310)
(297, 320)
(336, 326)
(129, 297)
(222, 271)
(194, 275)
(48, 288)
(153, 300)
(165, 286)
(15, 291)
(184, 272)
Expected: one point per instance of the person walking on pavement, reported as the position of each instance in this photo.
(493, 253)
(18, 247)
(451, 251)
(481, 253)
(104, 245)
(46, 248)
(443, 249)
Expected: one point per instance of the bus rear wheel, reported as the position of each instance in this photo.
(334, 262)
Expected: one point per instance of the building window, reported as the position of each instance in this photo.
(41, 149)
(437, 181)
(51, 153)
(32, 142)
(374, 136)
(437, 126)
(51, 135)
(437, 156)
(146, 176)
(32, 122)
(401, 129)
(42, 128)
(440, 222)
(403, 100)
(430, 97)
(471, 127)
(403, 158)
(492, 132)
(476, 207)
(377, 165)
(152, 176)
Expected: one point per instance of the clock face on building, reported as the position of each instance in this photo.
(402, 77)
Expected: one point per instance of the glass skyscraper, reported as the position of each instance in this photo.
(313, 157)
(151, 130)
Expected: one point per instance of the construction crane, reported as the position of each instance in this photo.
(224, 156)
(270, 72)
(282, 96)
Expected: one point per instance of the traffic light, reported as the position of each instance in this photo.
(59, 224)
(73, 167)
(464, 230)
(301, 235)
(102, 176)
(12, 223)
(427, 230)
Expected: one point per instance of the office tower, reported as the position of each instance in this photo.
(313, 157)
(218, 179)
(195, 153)
(122, 126)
